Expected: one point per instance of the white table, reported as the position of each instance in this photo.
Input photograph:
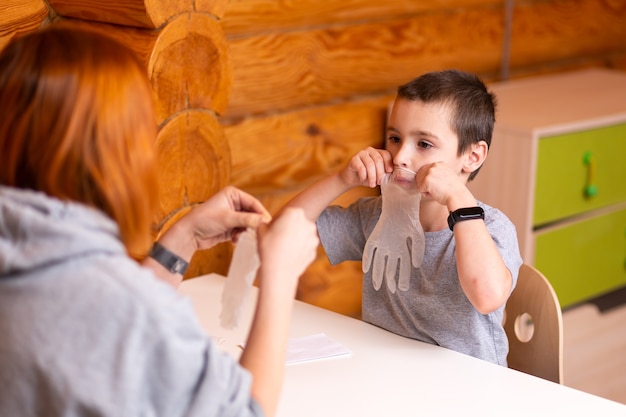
(389, 375)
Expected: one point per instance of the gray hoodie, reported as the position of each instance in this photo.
(86, 331)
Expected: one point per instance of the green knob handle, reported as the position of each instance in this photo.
(590, 189)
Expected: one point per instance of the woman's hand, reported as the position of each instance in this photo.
(220, 218)
(286, 247)
(225, 216)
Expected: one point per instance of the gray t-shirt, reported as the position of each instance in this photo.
(86, 331)
(435, 308)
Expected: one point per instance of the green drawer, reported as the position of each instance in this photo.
(567, 164)
(584, 259)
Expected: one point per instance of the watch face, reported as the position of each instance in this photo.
(179, 267)
(469, 213)
(169, 260)
(466, 213)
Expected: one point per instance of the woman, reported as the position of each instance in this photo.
(86, 329)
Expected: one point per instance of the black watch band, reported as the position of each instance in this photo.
(466, 213)
(172, 262)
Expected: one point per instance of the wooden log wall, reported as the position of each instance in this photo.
(271, 95)
(20, 16)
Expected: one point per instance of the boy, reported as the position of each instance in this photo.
(440, 127)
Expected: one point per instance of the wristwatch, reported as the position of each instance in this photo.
(466, 213)
(170, 261)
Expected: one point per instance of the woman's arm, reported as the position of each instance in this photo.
(286, 247)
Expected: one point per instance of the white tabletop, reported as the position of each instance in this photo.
(389, 375)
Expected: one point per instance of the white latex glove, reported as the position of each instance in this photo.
(397, 241)
(241, 274)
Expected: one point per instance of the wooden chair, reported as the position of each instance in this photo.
(534, 326)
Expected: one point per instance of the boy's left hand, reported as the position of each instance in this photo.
(439, 182)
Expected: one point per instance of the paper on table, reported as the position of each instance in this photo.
(317, 346)
(311, 348)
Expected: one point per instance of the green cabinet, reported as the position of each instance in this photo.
(584, 258)
(580, 171)
(557, 168)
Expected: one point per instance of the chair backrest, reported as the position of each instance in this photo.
(534, 326)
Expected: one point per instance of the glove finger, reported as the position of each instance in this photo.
(390, 273)
(378, 265)
(417, 250)
(368, 256)
(404, 279)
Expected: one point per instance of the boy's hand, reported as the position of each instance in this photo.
(440, 182)
(367, 168)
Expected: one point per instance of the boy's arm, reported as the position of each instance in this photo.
(483, 275)
(366, 168)
(314, 199)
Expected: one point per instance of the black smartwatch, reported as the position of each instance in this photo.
(170, 261)
(466, 213)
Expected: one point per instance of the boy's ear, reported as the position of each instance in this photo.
(475, 157)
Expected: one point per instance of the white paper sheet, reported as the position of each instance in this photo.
(314, 347)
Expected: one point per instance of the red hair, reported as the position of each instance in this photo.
(79, 125)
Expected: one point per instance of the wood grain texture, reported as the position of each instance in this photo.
(194, 161)
(215, 7)
(20, 16)
(303, 144)
(150, 14)
(189, 65)
(549, 31)
(187, 61)
(282, 71)
(249, 17)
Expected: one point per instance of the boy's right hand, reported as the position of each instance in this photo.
(368, 167)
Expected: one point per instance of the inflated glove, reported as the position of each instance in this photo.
(397, 241)
(241, 274)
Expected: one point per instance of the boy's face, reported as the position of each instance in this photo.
(419, 133)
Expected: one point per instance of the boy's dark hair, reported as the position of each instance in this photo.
(472, 106)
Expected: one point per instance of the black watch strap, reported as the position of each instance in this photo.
(465, 213)
(172, 262)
